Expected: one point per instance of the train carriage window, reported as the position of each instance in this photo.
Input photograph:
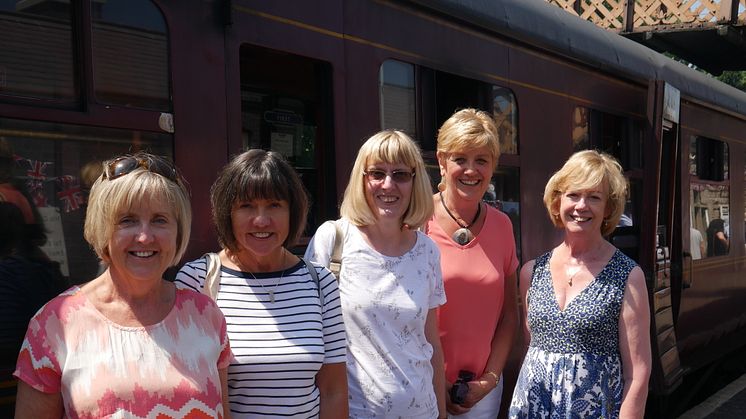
(130, 54)
(398, 97)
(619, 136)
(54, 166)
(36, 57)
(286, 107)
(709, 198)
(506, 118)
(622, 138)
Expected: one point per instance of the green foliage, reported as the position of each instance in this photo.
(736, 79)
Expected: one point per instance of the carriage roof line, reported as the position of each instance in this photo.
(549, 27)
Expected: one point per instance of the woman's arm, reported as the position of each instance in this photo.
(332, 383)
(432, 334)
(634, 346)
(223, 372)
(32, 403)
(502, 342)
(722, 237)
(526, 273)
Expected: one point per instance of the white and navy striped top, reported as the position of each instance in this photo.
(279, 347)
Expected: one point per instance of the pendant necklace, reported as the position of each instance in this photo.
(570, 272)
(463, 235)
(270, 292)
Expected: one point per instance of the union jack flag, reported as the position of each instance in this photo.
(70, 193)
(36, 190)
(38, 169)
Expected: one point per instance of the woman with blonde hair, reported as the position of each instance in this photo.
(389, 282)
(128, 343)
(478, 260)
(587, 305)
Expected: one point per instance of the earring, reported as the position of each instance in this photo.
(441, 186)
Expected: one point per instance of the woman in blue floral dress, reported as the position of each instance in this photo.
(587, 306)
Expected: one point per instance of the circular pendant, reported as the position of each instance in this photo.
(462, 236)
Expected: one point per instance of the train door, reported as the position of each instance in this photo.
(663, 270)
(286, 107)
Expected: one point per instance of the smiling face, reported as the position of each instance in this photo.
(143, 243)
(387, 198)
(260, 226)
(467, 173)
(584, 210)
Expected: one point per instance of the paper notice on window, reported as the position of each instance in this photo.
(55, 246)
(282, 142)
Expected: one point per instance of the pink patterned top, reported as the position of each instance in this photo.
(166, 370)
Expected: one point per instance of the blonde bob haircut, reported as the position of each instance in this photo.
(586, 170)
(390, 147)
(468, 129)
(111, 198)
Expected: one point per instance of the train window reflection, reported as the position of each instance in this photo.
(130, 54)
(709, 197)
(619, 136)
(286, 107)
(506, 119)
(505, 187)
(36, 58)
(53, 166)
(398, 97)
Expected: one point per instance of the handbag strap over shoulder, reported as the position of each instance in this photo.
(335, 264)
(315, 275)
(212, 275)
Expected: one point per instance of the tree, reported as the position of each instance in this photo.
(736, 79)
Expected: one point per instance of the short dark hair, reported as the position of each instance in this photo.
(257, 174)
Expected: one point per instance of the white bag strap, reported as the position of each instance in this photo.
(335, 264)
(212, 275)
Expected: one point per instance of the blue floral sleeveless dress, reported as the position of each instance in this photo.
(573, 367)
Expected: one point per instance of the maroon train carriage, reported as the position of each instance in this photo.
(200, 81)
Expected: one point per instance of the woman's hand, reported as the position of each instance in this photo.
(451, 407)
(477, 390)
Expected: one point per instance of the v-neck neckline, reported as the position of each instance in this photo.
(563, 310)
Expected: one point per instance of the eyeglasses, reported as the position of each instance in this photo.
(127, 164)
(398, 176)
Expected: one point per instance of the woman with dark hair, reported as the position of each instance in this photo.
(717, 238)
(28, 279)
(285, 328)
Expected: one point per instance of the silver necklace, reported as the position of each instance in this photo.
(271, 292)
(463, 235)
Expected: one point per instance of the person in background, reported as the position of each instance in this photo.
(27, 282)
(390, 282)
(717, 238)
(697, 243)
(285, 328)
(478, 260)
(587, 305)
(128, 343)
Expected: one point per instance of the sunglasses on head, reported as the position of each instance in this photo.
(126, 164)
(398, 176)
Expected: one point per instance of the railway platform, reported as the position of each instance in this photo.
(728, 403)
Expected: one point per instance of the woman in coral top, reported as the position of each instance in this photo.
(128, 343)
(478, 261)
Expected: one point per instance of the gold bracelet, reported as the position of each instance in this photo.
(494, 375)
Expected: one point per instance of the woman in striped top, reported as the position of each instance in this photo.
(285, 328)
